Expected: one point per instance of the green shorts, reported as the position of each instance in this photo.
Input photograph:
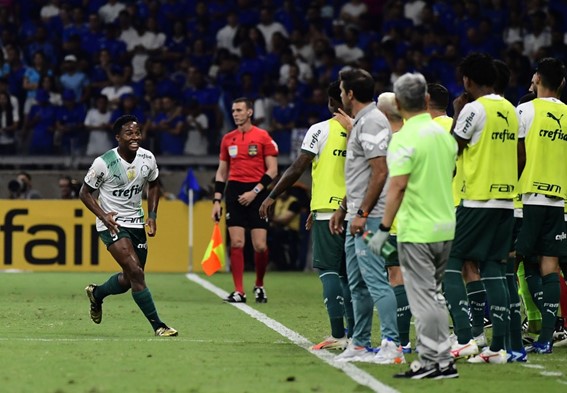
(483, 234)
(136, 235)
(328, 249)
(543, 232)
(393, 259)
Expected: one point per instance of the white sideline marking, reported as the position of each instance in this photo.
(551, 373)
(356, 374)
(536, 366)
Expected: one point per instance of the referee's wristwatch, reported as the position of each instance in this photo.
(256, 190)
(362, 213)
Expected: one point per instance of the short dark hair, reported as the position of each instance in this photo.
(360, 82)
(334, 91)
(438, 96)
(502, 76)
(552, 72)
(246, 100)
(479, 68)
(121, 121)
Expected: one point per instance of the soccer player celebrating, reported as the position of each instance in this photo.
(120, 176)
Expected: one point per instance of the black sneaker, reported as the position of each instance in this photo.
(236, 297)
(260, 294)
(96, 306)
(419, 371)
(447, 372)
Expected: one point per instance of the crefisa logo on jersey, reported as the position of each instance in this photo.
(129, 193)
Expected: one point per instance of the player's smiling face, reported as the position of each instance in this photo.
(129, 137)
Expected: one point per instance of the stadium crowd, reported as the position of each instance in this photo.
(69, 68)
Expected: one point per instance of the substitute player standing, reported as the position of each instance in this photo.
(120, 176)
(542, 239)
(248, 161)
(486, 131)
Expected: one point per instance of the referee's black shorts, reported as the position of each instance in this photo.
(238, 215)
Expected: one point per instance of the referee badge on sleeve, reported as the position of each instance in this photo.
(252, 150)
(233, 151)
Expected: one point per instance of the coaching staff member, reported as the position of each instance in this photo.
(248, 161)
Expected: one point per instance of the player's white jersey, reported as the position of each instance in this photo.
(121, 184)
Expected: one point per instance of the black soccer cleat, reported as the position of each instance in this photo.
(96, 306)
(236, 297)
(260, 295)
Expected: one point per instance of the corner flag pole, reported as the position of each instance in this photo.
(190, 221)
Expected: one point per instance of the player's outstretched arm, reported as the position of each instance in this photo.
(290, 176)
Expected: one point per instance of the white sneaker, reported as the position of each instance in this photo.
(355, 353)
(389, 353)
(464, 350)
(488, 356)
(332, 343)
(480, 340)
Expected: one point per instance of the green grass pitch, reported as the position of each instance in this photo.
(49, 345)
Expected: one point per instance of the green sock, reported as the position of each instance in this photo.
(515, 313)
(110, 287)
(551, 295)
(493, 275)
(477, 301)
(334, 301)
(404, 314)
(533, 278)
(456, 296)
(532, 312)
(349, 313)
(144, 300)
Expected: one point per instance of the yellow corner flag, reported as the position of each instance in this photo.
(214, 255)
